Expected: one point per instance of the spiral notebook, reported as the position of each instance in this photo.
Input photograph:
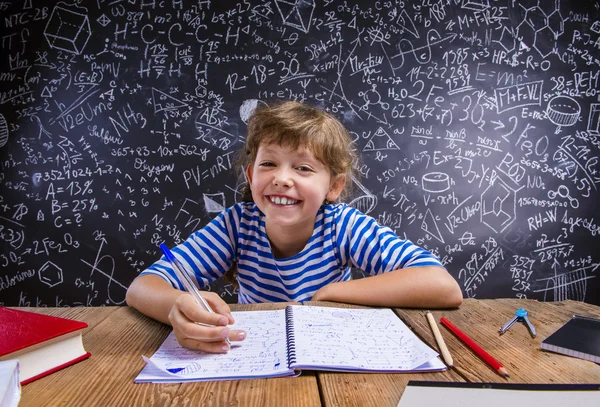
(282, 342)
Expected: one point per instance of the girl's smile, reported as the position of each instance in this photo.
(289, 186)
(282, 200)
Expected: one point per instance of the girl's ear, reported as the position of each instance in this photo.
(336, 187)
(249, 169)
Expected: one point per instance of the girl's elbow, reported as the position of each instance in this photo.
(129, 297)
(456, 300)
(455, 296)
(131, 294)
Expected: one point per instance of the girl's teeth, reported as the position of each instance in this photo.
(283, 201)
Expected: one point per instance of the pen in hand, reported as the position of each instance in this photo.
(186, 280)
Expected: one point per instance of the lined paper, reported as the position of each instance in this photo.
(262, 354)
(325, 339)
(357, 339)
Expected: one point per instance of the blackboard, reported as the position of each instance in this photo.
(477, 122)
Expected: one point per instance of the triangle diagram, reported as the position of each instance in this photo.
(46, 93)
(214, 203)
(430, 226)
(406, 18)
(162, 101)
(381, 140)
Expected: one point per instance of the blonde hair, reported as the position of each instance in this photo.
(298, 125)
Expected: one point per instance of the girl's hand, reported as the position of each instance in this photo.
(198, 329)
(322, 293)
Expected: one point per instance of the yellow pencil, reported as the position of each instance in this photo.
(439, 339)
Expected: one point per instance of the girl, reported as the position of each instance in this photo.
(288, 240)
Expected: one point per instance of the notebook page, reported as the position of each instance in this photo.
(262, 354)
(10, 388)
(357, 339)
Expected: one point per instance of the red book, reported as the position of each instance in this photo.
(43, 344)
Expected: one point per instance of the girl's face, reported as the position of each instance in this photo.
(289, 186)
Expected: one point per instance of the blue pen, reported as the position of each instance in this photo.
(185, 279)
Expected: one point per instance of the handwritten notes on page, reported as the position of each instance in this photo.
(262, 354)
(299, 337)
(358, 339)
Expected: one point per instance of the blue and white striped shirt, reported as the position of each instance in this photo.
(343, 237)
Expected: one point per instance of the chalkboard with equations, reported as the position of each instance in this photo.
(477, 122)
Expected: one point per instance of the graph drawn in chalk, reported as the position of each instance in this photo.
(567, 286)
(421, 53)
(105, 266)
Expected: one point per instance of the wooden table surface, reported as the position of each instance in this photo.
(117, 337)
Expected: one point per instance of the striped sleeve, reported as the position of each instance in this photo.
(376, 249)
(207, 254)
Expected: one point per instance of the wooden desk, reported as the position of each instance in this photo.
(118, 336)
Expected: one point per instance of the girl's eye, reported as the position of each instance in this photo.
(304, 168)
(267, 164)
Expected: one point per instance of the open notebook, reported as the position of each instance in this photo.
(281, 342)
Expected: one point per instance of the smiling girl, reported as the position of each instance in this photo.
(289, 239)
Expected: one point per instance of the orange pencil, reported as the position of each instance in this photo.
(475, 348)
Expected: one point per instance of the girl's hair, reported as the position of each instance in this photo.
(297, 125)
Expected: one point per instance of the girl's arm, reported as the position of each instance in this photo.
(402, 273)
(152, 296)
(154, 293)
(156, 298)
(413, 287)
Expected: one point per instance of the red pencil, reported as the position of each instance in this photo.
(475, 348)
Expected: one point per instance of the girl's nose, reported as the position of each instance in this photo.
(282, 178)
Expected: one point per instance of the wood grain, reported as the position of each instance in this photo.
(372, 389)
(106, 378)
(516, 349)
(117, 337)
